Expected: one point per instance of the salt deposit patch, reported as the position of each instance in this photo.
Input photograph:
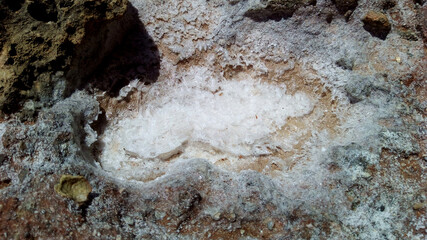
(2, 131)
(196, 110)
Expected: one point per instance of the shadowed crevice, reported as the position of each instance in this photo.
(136, 57)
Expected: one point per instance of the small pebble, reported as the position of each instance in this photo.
(217, 216)
(418, 206)
(270, 225)
(128, 220)
(232, 217)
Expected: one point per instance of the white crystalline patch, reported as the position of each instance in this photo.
(2, 131)
(236, 117)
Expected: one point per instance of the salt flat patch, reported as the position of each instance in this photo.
(196, 109)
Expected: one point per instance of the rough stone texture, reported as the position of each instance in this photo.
(357, 170)
(359, 89)
(377, 24)
(48, 46)
(275, 9)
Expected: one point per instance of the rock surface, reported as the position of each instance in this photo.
(275, 9)
(49, 46)
(377, 24)
(352, 168)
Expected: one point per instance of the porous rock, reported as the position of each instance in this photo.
(358, 88)
(49, 46)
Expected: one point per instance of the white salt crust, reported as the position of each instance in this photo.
(2, 131)
(198, 110)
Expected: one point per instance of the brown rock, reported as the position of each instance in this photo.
(41, 40)
(422, 27)
(377, 24)
(276, 9)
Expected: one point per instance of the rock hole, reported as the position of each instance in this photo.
(388, 4)
(14, 5)
(9, 61)
(65, 4)
(71, 30)
(38, 40)
(329, 18)
(344, 6)
(5, 183)
(12, 51)
(67, 48)
(43, 12)
(420, 2)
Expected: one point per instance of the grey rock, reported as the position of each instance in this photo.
(270, 225)
(159, 215)
(129, 221)
(345, 63)
(23, 174)
(400, 142)
(358, 88)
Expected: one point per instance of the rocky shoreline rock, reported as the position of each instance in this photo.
(49, 47)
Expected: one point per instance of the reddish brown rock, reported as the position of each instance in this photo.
(377, 24)
(276, 9)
